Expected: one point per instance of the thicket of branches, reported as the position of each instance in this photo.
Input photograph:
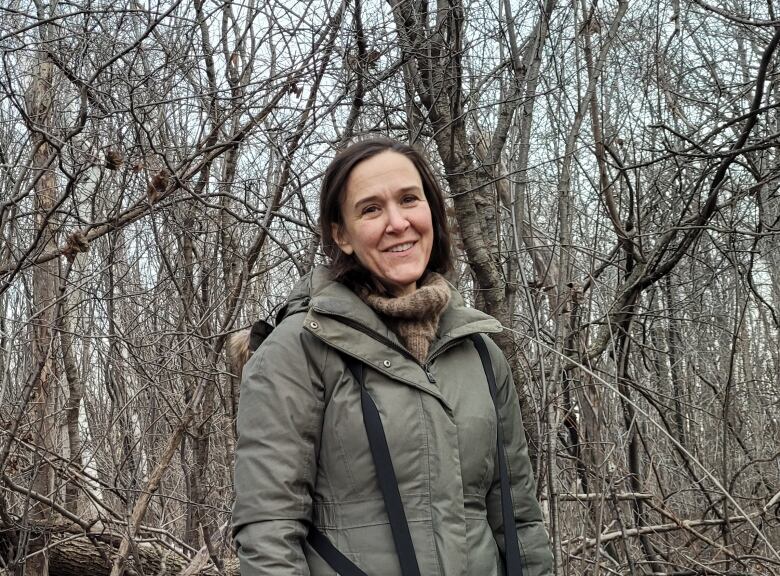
(613, 174)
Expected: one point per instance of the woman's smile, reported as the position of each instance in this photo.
(401, 247)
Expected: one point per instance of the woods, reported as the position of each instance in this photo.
(613, 171)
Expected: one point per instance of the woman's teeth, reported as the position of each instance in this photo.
(401, 247)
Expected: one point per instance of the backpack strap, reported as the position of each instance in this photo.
(388, 484)
(260, 331)
(385, 474)
(512, 558)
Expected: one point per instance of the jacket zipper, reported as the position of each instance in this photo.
(427, 365)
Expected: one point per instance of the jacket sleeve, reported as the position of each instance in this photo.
(534, 542)
(279, 425)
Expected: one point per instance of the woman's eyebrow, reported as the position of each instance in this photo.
(366, 200)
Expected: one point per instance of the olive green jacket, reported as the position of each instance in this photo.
(303, 455)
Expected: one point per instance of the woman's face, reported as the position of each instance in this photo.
(387, 221)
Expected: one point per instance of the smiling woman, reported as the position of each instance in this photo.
(386, 221)
(379, 429)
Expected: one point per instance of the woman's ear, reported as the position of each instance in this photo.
(341, 238)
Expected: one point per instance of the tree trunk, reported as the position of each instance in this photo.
(78, 555)
(45, 281)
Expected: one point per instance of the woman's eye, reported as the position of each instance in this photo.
(409, 199)
(369, 209)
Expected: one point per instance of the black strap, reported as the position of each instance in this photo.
(388, 484)
(260, 331)
(385, 474)
(335, 559)
(512, 560)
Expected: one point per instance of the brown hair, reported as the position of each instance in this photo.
(346, 267)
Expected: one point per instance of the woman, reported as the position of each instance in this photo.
(381, 324)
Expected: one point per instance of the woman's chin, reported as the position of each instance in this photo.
(403, 285)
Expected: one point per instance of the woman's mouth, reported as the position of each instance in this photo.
(401, 247)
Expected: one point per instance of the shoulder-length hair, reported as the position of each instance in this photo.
(346, 267)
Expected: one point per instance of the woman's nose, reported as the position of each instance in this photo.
(396, 220)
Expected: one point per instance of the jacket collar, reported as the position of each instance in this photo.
(337, 316)
(333, 299)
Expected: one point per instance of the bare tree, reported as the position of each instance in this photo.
(612, 173)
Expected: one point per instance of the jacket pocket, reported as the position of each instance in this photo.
(378, 556)
(361, 531)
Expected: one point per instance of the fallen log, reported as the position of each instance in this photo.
(94, 555)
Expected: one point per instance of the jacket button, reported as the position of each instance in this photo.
(314, 325)
(386, 363)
